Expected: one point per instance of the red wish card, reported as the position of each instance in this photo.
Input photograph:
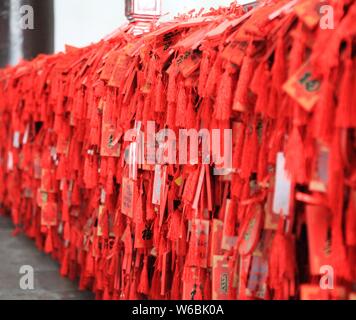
(188, 63)
(228, 238)
(271, 219)
(257, 279)
(199, 244)
(118, 75)
(143, 235)
(128, 194)
(309, 11)
(304, 87)
(41, 198)
(109, 144)
(221, 278)
(250, 230)
(99, 230)
(48, 180)
(110, 65)
(320, 177)
(159, 183)
(314, 292)
(49, 214)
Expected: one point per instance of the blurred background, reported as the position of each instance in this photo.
(80, 22)
(73, 22)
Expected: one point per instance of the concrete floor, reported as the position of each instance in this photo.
(48, 284)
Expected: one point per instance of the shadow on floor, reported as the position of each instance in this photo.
(48, 284)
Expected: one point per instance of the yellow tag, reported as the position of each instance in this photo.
(179, 181)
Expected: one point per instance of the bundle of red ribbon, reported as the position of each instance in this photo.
(280, 216)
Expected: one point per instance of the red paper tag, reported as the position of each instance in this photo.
(128, 194)
(257, 280)
(47, 181)
(188, 63)
(41, 197)
(320, 176)
(49, 214)
(143, 235)
(99, 230)
(159, 183)
(110, 65)
(118, 76)
(271, 219)
(309, 11)
(304, 87)
(314, 292)
(199, 244)
(228, 241)
(251, 230)
(221, 278)
(109, 145)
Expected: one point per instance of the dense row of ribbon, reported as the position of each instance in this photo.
(278, 221)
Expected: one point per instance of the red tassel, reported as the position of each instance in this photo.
(174, 223)
(143, 286)
(351, 220)
(224, 97)
(156, 285)
(323, 119)
(181, 106)
(295, 157)
(231, 219)
(262, 80)
(206, 111)
(113, 265)
(172, 86)
(49, 244)
(190, 117)
(345, 113)
(204, 73)
(146, 115)
(66, 231)
(279, 69)
(242, 90)
(159, 105)
(207, 287)
(89, 267)
(175, 292)
(213, 78)
(281, 265)
(106, 294)
(262, 167)
(249, 156)
(191, 185)
(171, 114)
(65, 264)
